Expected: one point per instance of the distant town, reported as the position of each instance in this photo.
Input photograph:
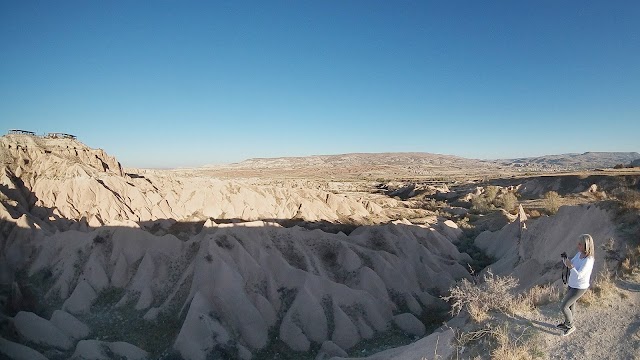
(53, 135)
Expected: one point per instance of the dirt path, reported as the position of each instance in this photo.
(607, 331)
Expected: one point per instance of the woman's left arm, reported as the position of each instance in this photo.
(583, 269)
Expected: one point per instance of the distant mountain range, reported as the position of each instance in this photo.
(587, 160)
(363, 159)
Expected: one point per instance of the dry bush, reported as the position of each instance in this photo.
(629, 198)
(609, 246)
(631, 261)
(490, 193)
(504, 343)
(509, 201)
(600, 195)
(602, 289)
(551, 202)
(477, 312)
(429, 204)
(493, 294)
(480, 205)
(542, 295)
(534, 213)
(508, 347)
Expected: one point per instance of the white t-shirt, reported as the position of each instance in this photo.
(580, 274)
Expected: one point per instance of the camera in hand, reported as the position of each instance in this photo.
(563, 255)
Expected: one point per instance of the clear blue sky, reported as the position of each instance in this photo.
(185, 83)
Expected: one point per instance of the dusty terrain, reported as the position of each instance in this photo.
(299, 258)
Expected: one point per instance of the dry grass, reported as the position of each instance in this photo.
(542, 295)
(495, 294)
(602, 290)
(509, 347)
(631, 261)
(504, 343)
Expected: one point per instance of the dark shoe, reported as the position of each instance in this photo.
(568, 331)
(562, 325)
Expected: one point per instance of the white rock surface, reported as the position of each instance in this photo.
(15, 351)
(438, 345)
(71, 326)
(81, 299)
(37, 330)
(102, 350)
(410, 324)
(328, 350)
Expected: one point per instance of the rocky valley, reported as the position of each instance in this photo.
(316, 258)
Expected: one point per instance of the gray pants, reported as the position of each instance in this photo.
(569, 304)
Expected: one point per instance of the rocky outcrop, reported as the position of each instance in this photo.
(25, 153)
(534, 257)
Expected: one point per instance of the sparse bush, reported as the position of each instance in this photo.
(480, 205)
(551, 202)
(507, 347)
(602, 289)
(490, 193)
(509, 201)
(493, 294)
(430, 204)
(534, 214)
(542, 295)
(629, 199)
(631, 261)
(505, 343)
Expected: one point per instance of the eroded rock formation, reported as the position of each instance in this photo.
(158, 263)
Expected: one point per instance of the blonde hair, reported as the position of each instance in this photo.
(587, 241)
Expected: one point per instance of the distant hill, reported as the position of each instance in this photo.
(359, 165)
(363, 159)
(587, 160)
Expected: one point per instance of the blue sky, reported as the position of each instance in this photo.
(188, 83)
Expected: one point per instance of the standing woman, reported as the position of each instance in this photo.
(580, 267)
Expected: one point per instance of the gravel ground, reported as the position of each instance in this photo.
(610, 330)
